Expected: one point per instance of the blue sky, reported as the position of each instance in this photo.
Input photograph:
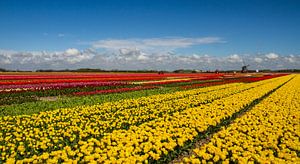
(229, 27)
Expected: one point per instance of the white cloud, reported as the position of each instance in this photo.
(154, 43)
(116, 44)
(135, 58)
(235, 58)
(258, 59)
(272, 56)
(42, 58)
(129, 52)
(72, 51)
(5, 59)
(291, 58)
(180, 42)
(142, 57)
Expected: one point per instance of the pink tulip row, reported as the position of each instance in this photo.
(46, 86)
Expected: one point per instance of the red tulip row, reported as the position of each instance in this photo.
(102, 75)
(37, 79)
(234, 80)
(40, 81)
(254, 79)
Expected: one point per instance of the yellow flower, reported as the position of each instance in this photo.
(10, 161)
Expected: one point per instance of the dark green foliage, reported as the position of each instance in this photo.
(66, 102)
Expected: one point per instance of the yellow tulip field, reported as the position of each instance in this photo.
(269, 133)
(255, 122)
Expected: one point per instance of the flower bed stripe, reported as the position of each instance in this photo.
(268, 133)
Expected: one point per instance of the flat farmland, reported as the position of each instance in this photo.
(149, 118)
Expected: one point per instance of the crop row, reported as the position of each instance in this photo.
(101, 75)
(17, 97)
(63, 85)
(215, 80)
(38, 81)
(119, 106)
(47, 86)
(21, 96)
(79, 133)
(154, 139)
(32, 79)
(268, 133)
(17, 94)
(84, 93)
(33, 107)
(233, 80)
(29, 108)
(34, 96)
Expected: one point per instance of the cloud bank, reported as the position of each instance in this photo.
(151, 53)
(154, 44)
(134, 58)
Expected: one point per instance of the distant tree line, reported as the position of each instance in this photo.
(97, 70)
(146, 71)
(288, 70)
(7, 70)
